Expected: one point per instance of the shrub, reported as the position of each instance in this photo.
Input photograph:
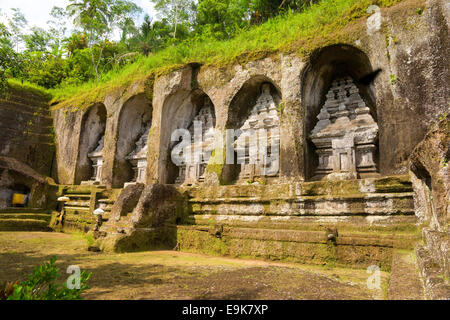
(41, 285)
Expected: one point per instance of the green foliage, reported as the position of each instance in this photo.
(300, 32)
(221, 19)
(41, 285)
(46, 72)
(38, 40)
(26, 86)
(263, 10)
(176, 14)
(5, 51)
(98, 18)
(393, 79)
(81, 68)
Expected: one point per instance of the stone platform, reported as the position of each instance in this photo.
(297, 222)
(356, 223)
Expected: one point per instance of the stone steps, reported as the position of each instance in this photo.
(367, 205)
(35, 216)
(72, 208)
(384, 224)
(79, 209)
(24, 219)
(373, 217)
(345, 188)
(349, 197)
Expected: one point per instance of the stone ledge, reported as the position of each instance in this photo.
(24, 225)
(312, 250)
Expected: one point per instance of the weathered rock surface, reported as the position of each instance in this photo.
(152, 222)
(26, 131)
(127, 201)
(430, 172)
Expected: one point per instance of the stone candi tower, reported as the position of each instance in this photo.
(346, 134)
(193, 170)
(263, 116)
(138, 157)
(96, 157)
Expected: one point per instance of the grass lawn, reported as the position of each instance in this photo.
(177, 275)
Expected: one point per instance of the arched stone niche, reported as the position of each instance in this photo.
(330, 82)
(131, 148)
(254, 107)
(90, 149)
(179, 112)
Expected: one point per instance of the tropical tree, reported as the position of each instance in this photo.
(38, 40)
(221, 18)
(57, 28)
(98, 19)
(16, 25)
(176, 12)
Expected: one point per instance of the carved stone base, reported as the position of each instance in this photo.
(341, 176)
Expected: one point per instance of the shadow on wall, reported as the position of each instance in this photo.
(92, 131)
(325, 65)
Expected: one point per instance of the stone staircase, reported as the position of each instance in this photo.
(24, 219)
(83, 201)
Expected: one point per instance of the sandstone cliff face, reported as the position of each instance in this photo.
(407, 42)
(431, 179)
(405, 99)
(26, 131)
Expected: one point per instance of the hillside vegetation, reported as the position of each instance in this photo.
(291, 32)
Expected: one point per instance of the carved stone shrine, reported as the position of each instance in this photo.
(346, 135)
(138, 157)
(258, 145)
(193, 169)
(96, 157)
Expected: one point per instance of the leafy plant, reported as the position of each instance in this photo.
(7, 289)
(41, 285)
(393, 79)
